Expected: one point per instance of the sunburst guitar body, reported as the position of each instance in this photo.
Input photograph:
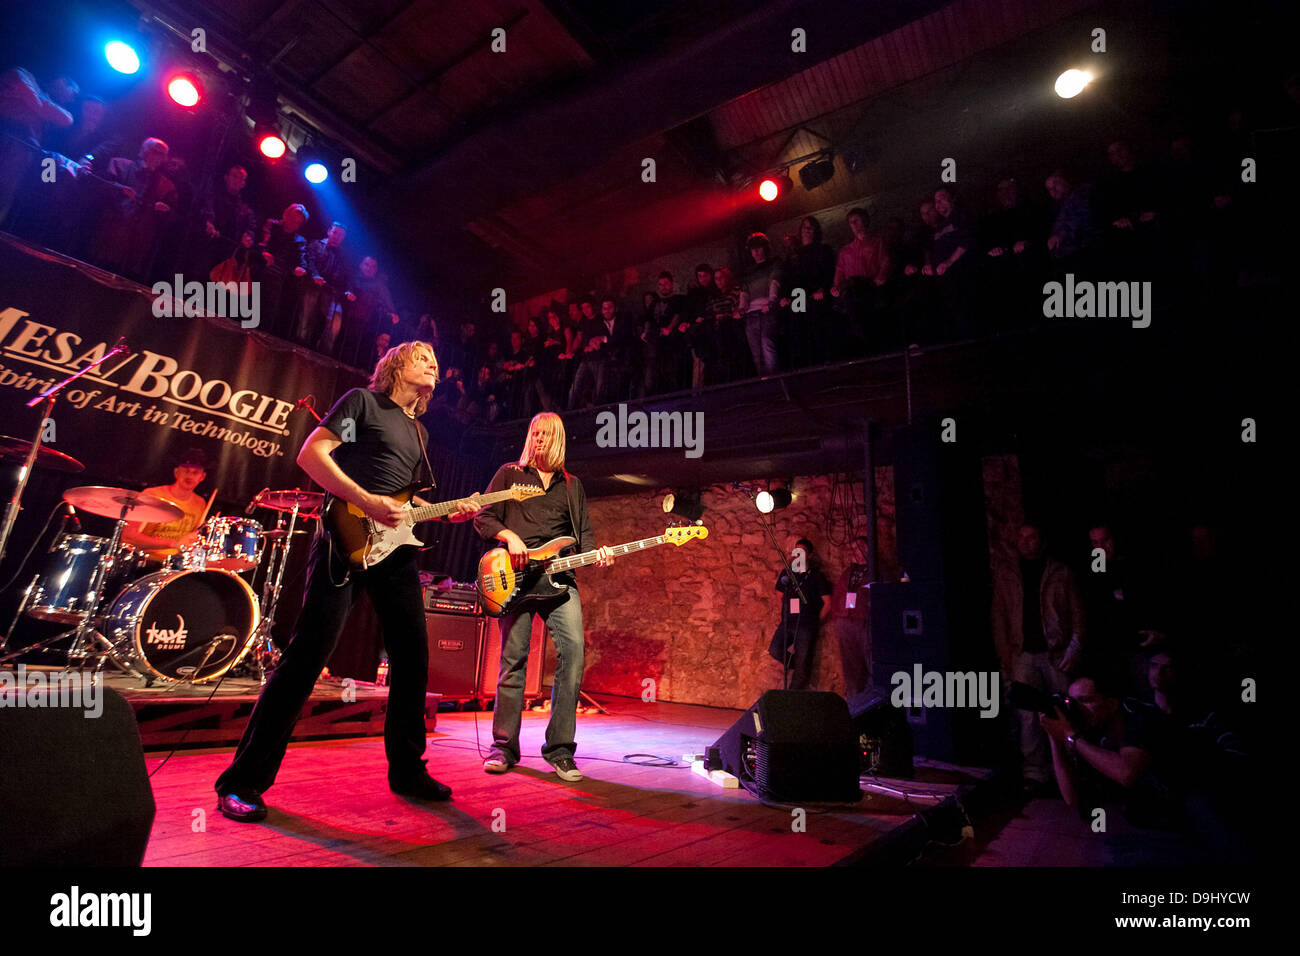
(505, 588)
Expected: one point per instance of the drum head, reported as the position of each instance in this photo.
(187, 625)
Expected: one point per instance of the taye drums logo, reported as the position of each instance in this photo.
(165, 638)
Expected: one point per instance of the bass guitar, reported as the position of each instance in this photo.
(504, 588)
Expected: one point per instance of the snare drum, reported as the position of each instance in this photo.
(65, 588)
(184, 625)
(230, 543)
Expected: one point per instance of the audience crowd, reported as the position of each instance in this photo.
(792, 303)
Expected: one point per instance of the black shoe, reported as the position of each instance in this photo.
(248, 807)
(566, 769)
(419, 786)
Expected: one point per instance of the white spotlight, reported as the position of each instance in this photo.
(1071, 83)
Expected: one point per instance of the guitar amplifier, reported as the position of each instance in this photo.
(453, 598)
(455, 654)
(538, 644)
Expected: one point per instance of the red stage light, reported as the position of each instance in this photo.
(769, 190)
(271, 146)
(184, 91)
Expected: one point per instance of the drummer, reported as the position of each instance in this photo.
(160, 541)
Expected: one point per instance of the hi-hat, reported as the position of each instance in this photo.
(285, 500)
(16, 449)
(108, 503)
(277, 533)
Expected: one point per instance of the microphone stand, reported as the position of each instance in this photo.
(768, 526)
(48, 396)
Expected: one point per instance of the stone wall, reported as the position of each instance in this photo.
(697, 619)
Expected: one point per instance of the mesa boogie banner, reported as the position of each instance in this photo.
(201, 381)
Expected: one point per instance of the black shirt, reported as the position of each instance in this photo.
(381, 448)
(815, 589)
(537, 520)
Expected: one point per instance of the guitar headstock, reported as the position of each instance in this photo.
(523, 492)
(682, 533)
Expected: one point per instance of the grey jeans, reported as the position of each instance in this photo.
(564, 618)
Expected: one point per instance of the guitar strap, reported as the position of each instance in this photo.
(424, 454)
(573, 522)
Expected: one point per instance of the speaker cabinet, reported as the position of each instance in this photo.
(74, 791)
(939, 502)
(455, 654)
(794, 745)
(538, 642)
(912, 627)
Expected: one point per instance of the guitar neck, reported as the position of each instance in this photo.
(590, 557)
(442, 508)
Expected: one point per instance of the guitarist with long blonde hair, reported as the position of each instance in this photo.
(370, 447)
(524, 525)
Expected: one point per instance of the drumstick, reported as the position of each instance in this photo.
(208, 507)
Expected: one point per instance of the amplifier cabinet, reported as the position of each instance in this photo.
(455, 654)
(538, 645)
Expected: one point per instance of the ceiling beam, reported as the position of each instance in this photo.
(533, 148)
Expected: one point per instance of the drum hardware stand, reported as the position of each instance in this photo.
(48, 396)
(22, 606)
(263, 646)
(191, 681)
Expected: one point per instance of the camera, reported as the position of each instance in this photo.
(1024, 697)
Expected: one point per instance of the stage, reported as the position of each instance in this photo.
(331, 805)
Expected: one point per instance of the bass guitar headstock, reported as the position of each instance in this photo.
(680, 534)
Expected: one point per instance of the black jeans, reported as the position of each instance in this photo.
(394, 587)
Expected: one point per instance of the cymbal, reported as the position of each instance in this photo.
(15, 449)
(285, 500)
(108, 503)
(276, 533)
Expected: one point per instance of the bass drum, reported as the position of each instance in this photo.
(190, 626)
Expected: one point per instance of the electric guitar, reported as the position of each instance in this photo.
(365, 542)
(504, 588)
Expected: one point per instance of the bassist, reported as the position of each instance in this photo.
(519, 526)
(368, 448)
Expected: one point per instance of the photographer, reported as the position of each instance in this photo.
(1172, 774)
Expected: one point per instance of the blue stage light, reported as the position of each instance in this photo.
(316, 173)
(121, 57)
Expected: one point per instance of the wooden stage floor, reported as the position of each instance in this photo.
(331, 805)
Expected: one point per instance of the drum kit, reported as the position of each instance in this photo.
(186, 618)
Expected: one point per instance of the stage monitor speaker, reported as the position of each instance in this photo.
(884, 736)
(794, 745)
(455, 654)
(538, 642)
(73, 791)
